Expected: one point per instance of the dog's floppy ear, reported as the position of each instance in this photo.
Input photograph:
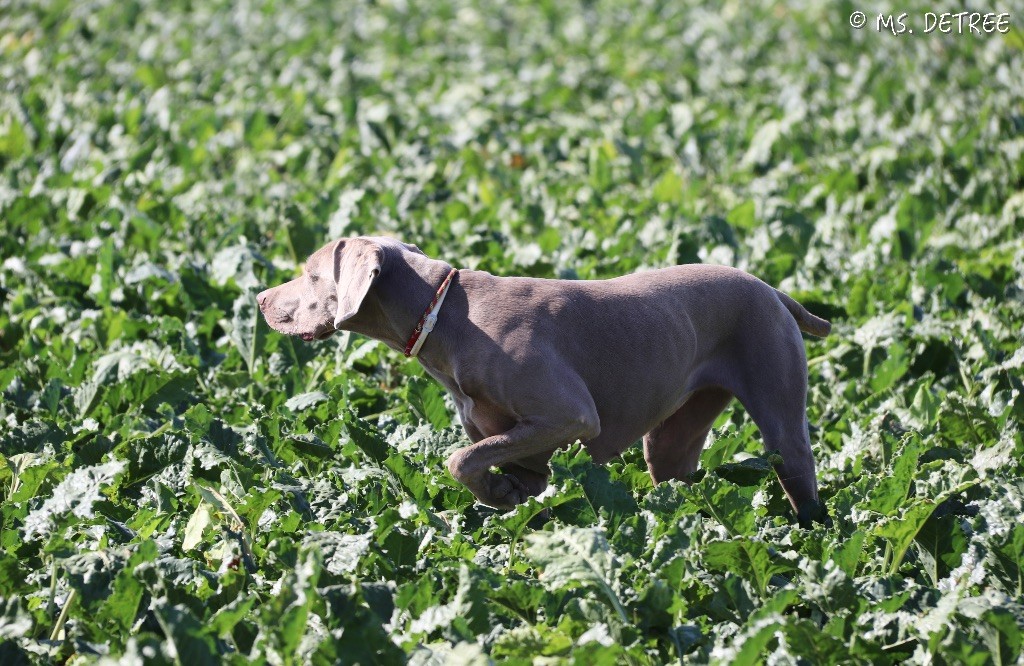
(357, 264)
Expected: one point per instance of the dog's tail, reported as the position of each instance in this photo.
(807, 322)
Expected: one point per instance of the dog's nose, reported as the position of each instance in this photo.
(261, 298)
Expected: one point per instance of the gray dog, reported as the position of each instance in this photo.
(536, 364)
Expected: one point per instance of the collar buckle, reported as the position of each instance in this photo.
(429, 318)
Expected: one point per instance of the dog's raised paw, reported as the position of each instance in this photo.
(505, 492)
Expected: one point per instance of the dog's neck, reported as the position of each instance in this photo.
(399, 297)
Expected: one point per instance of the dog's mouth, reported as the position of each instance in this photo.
(322, 335)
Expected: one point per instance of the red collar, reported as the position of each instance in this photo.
(429, 318)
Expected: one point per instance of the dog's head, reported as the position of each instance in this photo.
(331, 290)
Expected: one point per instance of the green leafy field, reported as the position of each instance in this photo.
(181, 485)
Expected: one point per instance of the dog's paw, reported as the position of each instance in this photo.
(813, 512)
(504, 491)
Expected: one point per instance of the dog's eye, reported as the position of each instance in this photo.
(313, 278)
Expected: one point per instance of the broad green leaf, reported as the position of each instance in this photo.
(227, 617)
(893, 366)
(517, 522)
(893, 488)
(188, 641)
(600, 167)
(1014, 38)
(668, 188)
(573, 556)
(15, 622)
(805, 639)
(941, 544)
(998, 620)
(729, 504)
(443, 654)
(366, 438)
(151, 454)
(17, 464)
(743, 216)
(427, 400)
(236, 263)
(847, 555)
(747, 472)
(122, 606)
(746, 648)
(284, 617)
(302, 401)
(465, 616)
(26, 444)
(197, 524)
(246, 333)
(340, 553)
(12, 576)
(75, 495)
(14, 141)
(526, 642)
(609, 497)
(900, 530)
(411, 478)
(362, 637)
(1008, 551)
(752, 560)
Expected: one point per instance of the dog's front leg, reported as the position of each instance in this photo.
(530, 437)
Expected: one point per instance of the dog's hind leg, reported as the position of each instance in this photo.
(672, 449)
(785, 432)
(773, 390)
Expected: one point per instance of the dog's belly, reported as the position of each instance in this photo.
(622, 428)
(608, 445)
(646, 391)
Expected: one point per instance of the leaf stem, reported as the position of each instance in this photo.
(62, 618)
(15, 484)
(252, 348)
(53, 585)
(677, 644)
(614, 598)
